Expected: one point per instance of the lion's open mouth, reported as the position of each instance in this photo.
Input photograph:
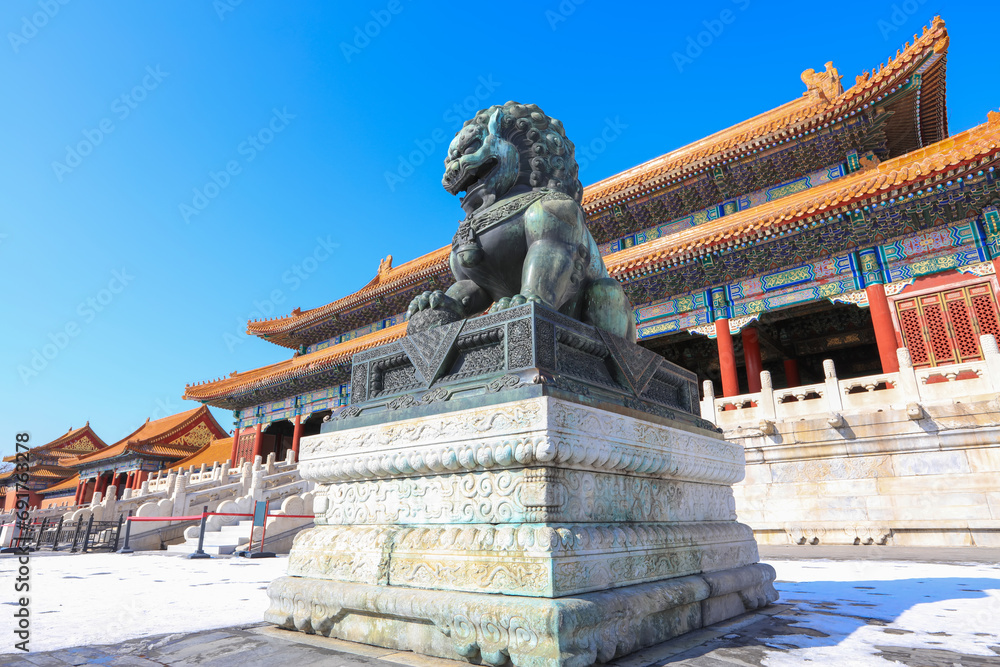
(467, 180)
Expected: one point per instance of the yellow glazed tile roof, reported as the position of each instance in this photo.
(151, 437)
(807, 111)
(300, 365)
(910, 169)
(918, 166)
(217, 451)
(744, 137)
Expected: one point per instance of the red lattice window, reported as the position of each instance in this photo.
(913, 335)
(937, 329)
(944, 327)
(984, 308)
(963, 329)
(244, 451)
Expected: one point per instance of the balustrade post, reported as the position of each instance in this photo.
(768, 409)
(907, 383)
(708, 403)
(833, 398)
(991, 355)
(179, 496)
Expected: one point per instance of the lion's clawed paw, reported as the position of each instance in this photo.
(512, 301)
(435, 299)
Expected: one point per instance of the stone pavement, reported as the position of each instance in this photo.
(770, 636)
(743, 641)
(989, 555)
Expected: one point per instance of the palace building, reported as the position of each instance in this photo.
(48, 464)
(126, 464)
(841, 225)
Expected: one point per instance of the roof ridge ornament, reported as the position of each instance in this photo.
(384, 266)
(824, 85)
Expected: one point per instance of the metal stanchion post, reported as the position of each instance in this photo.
(259, 519)
(200, 553)
(41, 532)
(76, 535)
(128, 530)
(118, 532)
(55, 540)
(86, 535)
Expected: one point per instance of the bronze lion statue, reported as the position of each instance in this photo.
(524, 237)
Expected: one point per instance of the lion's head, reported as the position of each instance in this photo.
(507, 147)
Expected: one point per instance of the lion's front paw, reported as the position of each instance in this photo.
(512, 301)
(434, 300)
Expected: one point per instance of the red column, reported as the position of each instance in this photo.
(792, 373)
(236, 444)
(100, 484)
(751, 356)
(79, 492)
(727, 358)
(257, 442)
(296, 436)
(885, 333)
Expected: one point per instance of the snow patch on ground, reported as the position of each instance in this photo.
(863, 604)
(85, 599)
(846, 608)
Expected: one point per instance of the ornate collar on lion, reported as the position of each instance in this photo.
(493, 215)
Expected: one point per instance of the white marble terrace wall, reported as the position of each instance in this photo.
(908, 459)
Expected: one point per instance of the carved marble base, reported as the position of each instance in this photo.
(519, 488)
(528, 632)
(537, 560)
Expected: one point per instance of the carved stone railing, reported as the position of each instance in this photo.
(908, 389)
(187, 492)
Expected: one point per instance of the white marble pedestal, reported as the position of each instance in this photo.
(540, 531)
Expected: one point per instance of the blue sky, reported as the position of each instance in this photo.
(170, 170)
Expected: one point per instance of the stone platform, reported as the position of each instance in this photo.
(521, 488)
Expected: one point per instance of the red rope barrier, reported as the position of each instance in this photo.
(197, 517)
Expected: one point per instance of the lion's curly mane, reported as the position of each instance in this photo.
(546, 155)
